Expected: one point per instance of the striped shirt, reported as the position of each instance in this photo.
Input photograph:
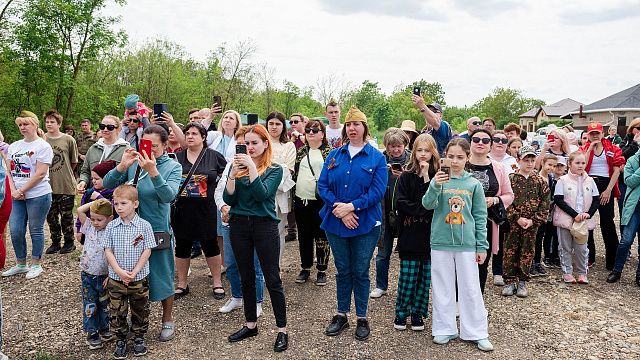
(127, 242)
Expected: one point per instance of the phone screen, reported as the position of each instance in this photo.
(145, 146)
(252, 119)
(550, 138)
(416, 90)
(396, 167)
(159, 108)
(217, 101)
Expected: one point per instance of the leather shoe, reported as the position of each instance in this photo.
(243, 333)
(282, 342)
(337, 325)
(614, 276)
(362, 329)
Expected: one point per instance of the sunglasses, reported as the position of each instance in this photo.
(108, 127)
(500, 140)
(294, 122)
(312, 130)
(477, 140)
(476, 123)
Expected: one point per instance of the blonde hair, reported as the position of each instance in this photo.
(414, 165)
(395, 136)
(634, 123)
(236, 115)
(126, 191)
(563, 136)
(574, 155)
(31, 120)
(114, 118)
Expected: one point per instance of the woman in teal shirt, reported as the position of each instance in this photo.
(157, 187)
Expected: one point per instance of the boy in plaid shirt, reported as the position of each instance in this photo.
(127, 246)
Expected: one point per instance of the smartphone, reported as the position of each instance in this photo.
(416, 90)
(145, 146)
(445, 166)
(217, 101)
(241, 149)
(172, 156)
(158, 109)
(551, 138)
(396, 166)
(252, 119)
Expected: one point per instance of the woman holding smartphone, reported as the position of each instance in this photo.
(250, 192)
(556, 144)
(497, 189)
(196, 215)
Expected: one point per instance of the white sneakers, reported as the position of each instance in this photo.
(230, 305)
(259, 309)
(32, 272)
(498, 280)
(376, 293)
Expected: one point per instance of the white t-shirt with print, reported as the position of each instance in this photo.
(25, 157)
(93, 261)
(334, 136)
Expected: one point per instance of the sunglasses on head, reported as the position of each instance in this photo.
(477, 140)
(500, 140)
(312, 130)
(105, 126)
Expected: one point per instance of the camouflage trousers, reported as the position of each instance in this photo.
(134, 296)
(519, 249)
(60, 218)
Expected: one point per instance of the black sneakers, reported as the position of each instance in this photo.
(303, 276)
(400, 323)
(322, 278)
(337, 325)
(94, 341)
(417, 324)
(121, 350)
(139, 347)
(54, 248)
(362, 330)
(67, 248)
(613, 277)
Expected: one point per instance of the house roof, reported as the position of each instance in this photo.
(556, 109)
(626, 99)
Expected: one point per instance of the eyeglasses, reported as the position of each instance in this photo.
(477, 140)
(312, 130)
(108, 127)
(500, 140)
(476, 123)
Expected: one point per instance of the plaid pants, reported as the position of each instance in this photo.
(413, 288)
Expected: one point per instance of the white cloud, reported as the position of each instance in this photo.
(474, 47)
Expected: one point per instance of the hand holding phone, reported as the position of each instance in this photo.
(158, 109)
(241, 149)
(416, 90)
(396, 166)
(217, 104)
(445, 166)
(551, 138)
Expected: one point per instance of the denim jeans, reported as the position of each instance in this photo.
(628, 236)
(95, 303)
(34, 212)
(232, 268)
(623, 190)
(352, 256)
(383, 258)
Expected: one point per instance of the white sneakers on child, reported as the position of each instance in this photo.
(34, 271)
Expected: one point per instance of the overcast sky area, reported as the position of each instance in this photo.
(551, 50)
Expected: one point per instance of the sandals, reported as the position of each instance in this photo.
(181, 292)
(218, 295)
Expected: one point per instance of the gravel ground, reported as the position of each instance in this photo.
(557, 321)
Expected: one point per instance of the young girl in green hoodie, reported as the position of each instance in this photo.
(458, 245)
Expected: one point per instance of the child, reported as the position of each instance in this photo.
(577, 198)
(127, 246)
(547, 236)
(414, 227)
(97, 191)
(94, 271)
(460, 220)
(528, 211)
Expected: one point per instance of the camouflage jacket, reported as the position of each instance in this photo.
(84, 142)
(530, 199)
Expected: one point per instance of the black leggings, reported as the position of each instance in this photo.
(209, 246)
(607, 226)
(249, 233)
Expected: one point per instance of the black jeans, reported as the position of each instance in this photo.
(607, 226)
(547, 242)
(309, 233)
(249, 233)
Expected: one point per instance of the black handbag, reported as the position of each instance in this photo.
(393, 214)
(498, 213)
(174, 203)
(317, 195)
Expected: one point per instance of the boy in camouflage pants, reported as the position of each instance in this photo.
(127, 247)
(528, 211)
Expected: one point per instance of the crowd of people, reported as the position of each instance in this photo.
(452, 201)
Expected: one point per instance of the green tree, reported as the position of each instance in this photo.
(505, 105)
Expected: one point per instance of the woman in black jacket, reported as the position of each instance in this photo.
(414, 227)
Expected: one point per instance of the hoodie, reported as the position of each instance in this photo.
(459, 215)
(95, 155)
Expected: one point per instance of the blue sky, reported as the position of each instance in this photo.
(551, 50)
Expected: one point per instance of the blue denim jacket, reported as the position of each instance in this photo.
(361, 181)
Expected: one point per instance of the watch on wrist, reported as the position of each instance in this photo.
(423, 109)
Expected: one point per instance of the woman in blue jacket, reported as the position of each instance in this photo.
(352, 184)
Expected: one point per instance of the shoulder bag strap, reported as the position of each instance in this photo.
(311, 167)
(191, 171)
